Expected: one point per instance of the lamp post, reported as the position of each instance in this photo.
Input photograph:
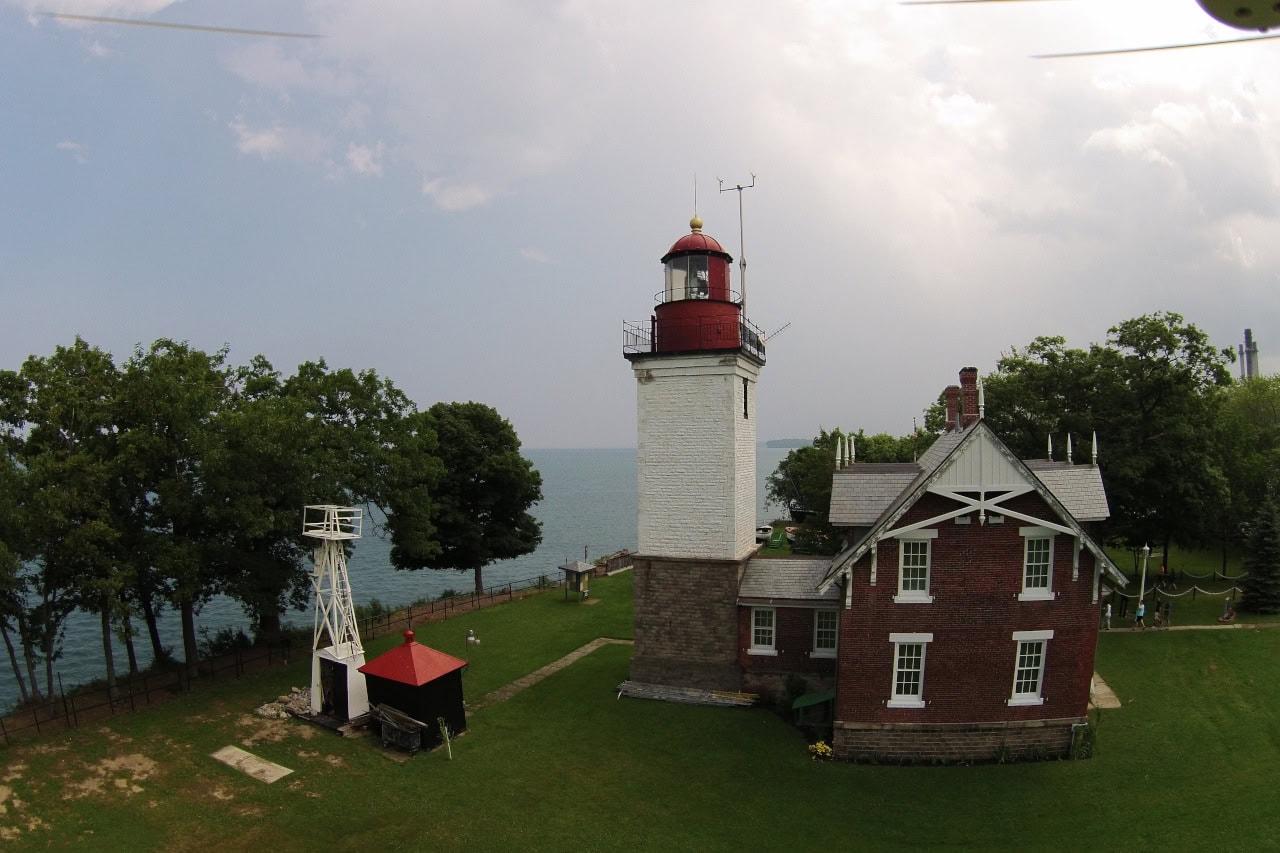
(1146, 552)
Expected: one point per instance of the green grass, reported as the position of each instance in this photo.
(1187, 763)
(1189, 608)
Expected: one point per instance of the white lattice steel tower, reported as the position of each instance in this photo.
(337, 687)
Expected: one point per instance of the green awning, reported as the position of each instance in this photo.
(813, 699)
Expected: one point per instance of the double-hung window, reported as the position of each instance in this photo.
(907, 690)
(824, 633)
(1028, 667)
(1037, 564)
(763, 631)
(914, 563)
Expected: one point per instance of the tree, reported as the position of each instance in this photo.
(1150, 393)
(481, 502)
(802, 480)
(59, 430)
(1260, 590)
(1247, 438)
(169, 395)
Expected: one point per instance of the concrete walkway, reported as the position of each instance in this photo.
(1222, 626)
(506, 692)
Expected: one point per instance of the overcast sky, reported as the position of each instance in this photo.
(471, 197)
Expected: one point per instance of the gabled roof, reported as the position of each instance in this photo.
(779, 580)
(949, 457)
(1079, 487)
(412, 663)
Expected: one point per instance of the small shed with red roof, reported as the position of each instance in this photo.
(421, 683)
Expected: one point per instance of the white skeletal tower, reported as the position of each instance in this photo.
(337, 686)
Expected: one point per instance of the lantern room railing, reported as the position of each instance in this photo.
(693, 290)
(698, 334)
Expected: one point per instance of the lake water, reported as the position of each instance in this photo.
(589, 501)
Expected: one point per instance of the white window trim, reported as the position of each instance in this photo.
(916, 596)
(898, 639)
(1017, 700)
(771, 649)
(825, 653)
(1036, 593)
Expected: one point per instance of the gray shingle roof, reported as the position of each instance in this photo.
(861, 492)
(1078, 487)
(779, 580)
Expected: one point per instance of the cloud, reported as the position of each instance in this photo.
(79, 152)
(454, 197)
(277, 141)
(536, 255)
(364, 159)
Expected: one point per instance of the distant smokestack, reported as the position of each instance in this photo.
(1248, 356)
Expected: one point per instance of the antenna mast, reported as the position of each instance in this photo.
(742, 247)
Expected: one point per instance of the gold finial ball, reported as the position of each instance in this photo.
(695, 225)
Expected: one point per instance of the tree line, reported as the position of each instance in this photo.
(1188, 454)
(176, 476)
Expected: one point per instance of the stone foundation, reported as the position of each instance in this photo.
(961, 743)
(686, 623)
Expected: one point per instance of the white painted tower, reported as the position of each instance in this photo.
(337, 686)
(696, 366)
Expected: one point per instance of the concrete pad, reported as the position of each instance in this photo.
(247, 762)
(1102, 696)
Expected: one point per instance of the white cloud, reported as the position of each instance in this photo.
(455, 197)
(279, 141)
(364, 159)
(536, 255)
(79, 152)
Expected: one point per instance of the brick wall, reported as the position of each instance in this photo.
(975, 579)
(686, 622)
(696, 456)
(793, 641)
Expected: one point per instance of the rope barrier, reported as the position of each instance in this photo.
(1166, 594)
(1215, 576)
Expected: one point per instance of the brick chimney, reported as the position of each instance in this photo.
(968, 395)
(952, 393)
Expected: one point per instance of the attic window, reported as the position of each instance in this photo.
(964, 519)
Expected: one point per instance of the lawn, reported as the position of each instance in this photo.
(1193, 574)
(1187, 762)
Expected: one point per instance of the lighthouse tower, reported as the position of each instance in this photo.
(696, 364)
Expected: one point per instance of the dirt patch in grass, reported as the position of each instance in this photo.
(265, 730)
(115, 777)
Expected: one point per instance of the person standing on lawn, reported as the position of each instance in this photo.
(1138, 614)
(1106, 617)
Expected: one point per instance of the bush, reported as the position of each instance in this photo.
(224, 642)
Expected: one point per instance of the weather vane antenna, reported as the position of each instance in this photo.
(742, 248)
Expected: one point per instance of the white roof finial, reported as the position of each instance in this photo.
(1050, 447)
(1070, 460)
(982, 400)
(1095, 448)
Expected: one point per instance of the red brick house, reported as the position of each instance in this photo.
(961, 621)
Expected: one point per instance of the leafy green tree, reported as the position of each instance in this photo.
(58, 428)
(169, 395)
(802, 480)
(1260, 590)
(12, 583)
(480, 509)
(1247, 441)
(1151, 393)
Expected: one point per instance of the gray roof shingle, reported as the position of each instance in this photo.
(1078, 487)
(778, 580)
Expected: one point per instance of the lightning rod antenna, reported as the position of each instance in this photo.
(742, 248)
